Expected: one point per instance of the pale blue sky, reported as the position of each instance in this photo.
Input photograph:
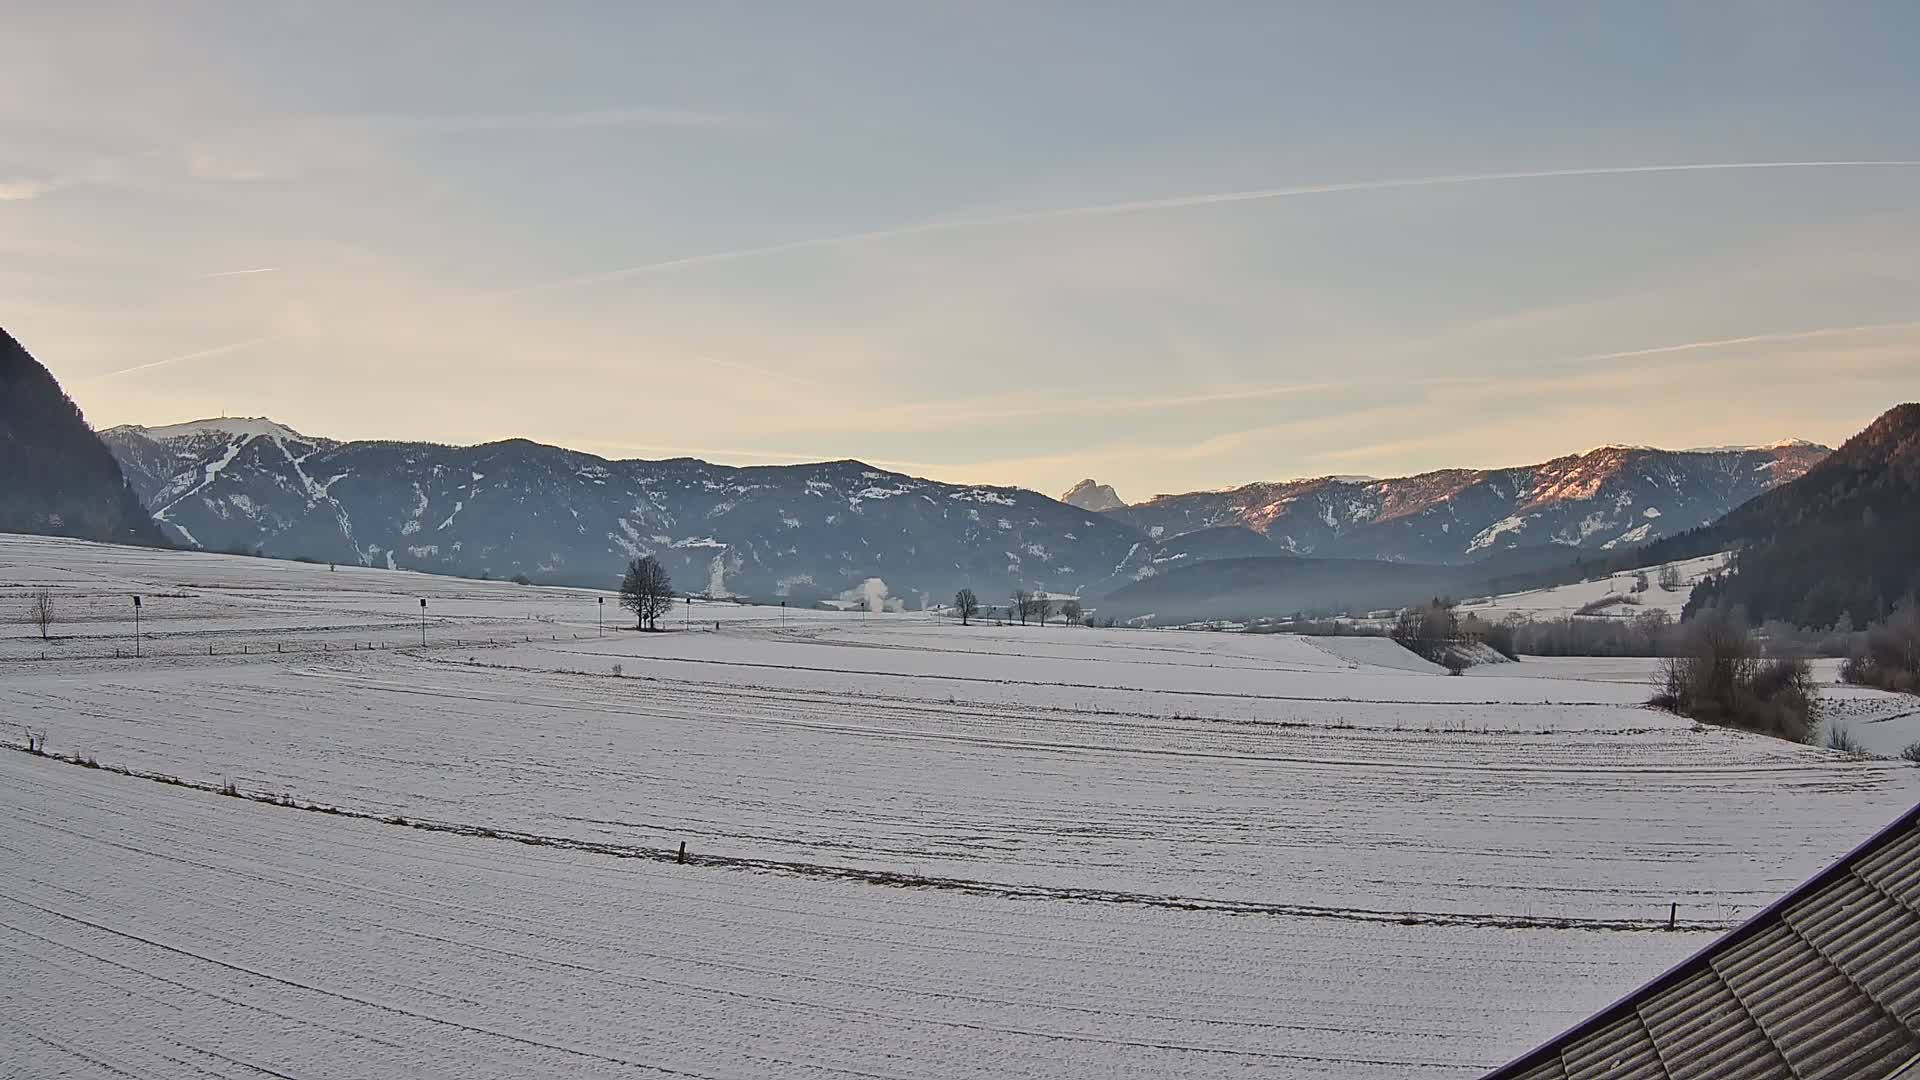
(780, 232)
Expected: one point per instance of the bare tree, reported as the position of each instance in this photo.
(1071, 611)
(40, 613)
(1718, 678)
(967, 604)
(1670, 578)
(1429, 629)
(1022, 604)
(646, 591)
(1042, 607)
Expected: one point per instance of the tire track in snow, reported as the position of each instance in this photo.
(901, 879)
(1319, 699)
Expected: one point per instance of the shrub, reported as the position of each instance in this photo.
(1841, 739)
(1717, 678)
(1911, 753)
(1889, 657)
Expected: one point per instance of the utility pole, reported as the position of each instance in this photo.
(136, 627)
(423, 622)
(783, 614)
(603, 616)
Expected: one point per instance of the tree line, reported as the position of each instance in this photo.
(1022, 605)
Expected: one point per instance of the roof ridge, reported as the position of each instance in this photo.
(1704, 959)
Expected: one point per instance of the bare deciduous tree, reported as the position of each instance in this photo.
(967, 604)
(1042, 607)
(1072, 612)
(646, 591)
(40, 613)
(1719, 678)
(1670, 578)
(1429, 629)
(1022, 605)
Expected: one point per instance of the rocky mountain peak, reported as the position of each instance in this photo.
(1090, 495)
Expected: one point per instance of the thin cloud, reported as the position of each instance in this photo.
(907, 415)
(1184, 201)
(238, 273)
(581, 120)
(998, 409)
(218, 350)
(761, 372)
(22, 190)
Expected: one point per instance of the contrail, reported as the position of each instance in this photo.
(1180, 201)
(201, 355)
(237, 273)
(1750, 339)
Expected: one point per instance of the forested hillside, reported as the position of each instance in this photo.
(56, 476)
(1839, 545)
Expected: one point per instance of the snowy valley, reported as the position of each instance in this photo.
(315, 846)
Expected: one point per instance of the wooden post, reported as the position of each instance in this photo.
(1673, 916)
(683, 851)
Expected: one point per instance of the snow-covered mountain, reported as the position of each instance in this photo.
(517, 507)
(1088, 495)
(818, 530)
(1613, 497)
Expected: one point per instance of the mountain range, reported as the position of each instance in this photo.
(1820, 537)
(514, 508)
(816, 531)
(1612, 497)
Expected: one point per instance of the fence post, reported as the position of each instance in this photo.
(1673, 916)
(683, 851)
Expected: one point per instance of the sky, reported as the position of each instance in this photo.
(1167, 246)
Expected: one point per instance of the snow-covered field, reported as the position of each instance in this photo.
(1616, 590)
(916, 849)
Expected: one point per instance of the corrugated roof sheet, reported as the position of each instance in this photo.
(1823, 984)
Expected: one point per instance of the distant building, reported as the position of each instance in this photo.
(1825, 983)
